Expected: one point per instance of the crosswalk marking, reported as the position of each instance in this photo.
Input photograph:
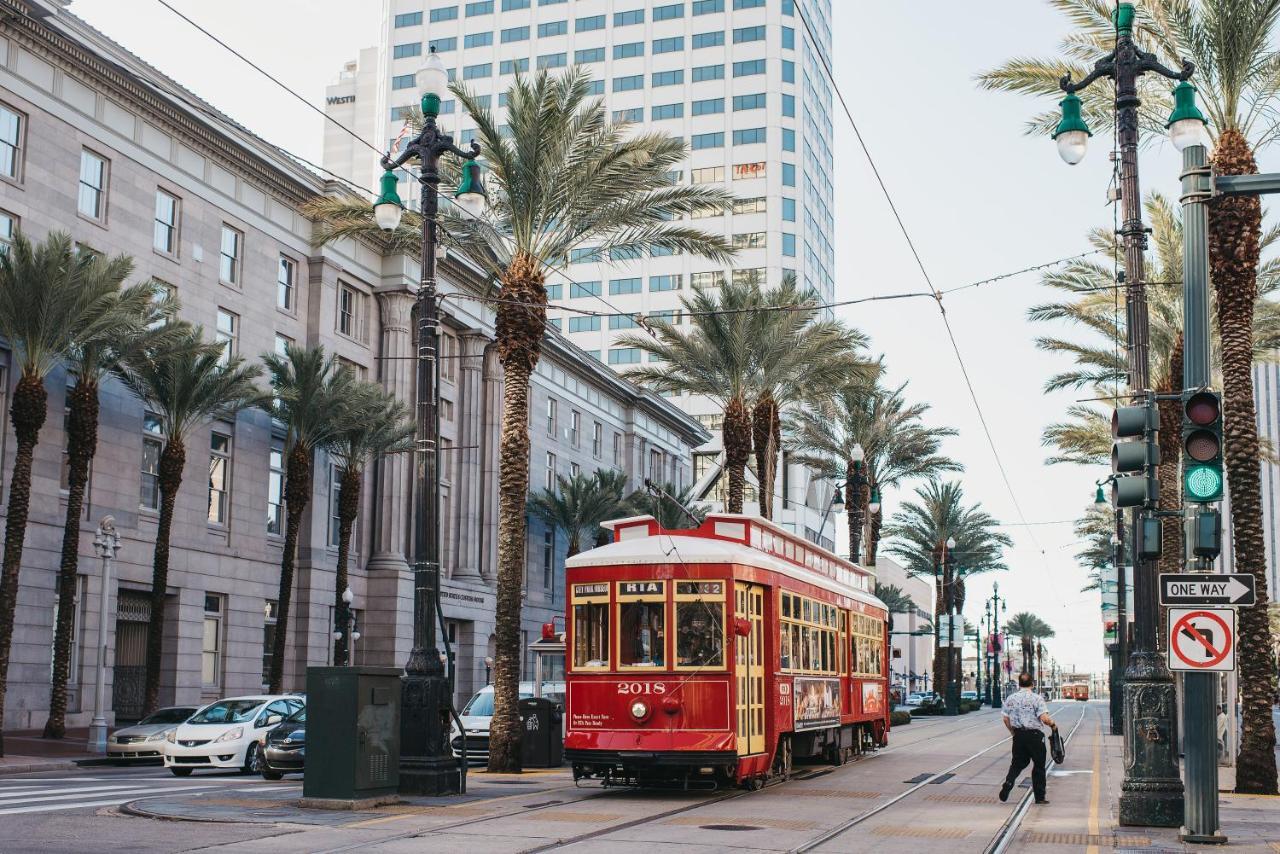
(8, 794)
(17, 800)
(52, 807)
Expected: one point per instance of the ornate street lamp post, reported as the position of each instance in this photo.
(346, 630)
(106, 542)
(836, 503)
(426, 768)
(1152, 793)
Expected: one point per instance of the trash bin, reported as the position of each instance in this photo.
(541, 743)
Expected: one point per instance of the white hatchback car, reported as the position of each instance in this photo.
(225, 734)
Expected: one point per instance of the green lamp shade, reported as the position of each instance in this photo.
(470, 194)
(1186, 123)
(1072, 133)
(1203, 483)
(1123, 18)
(387, 208)
(1100, 497)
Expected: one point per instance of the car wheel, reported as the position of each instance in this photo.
(252, 760)
(181, 772)
(272, 775)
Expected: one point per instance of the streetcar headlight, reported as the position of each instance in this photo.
(639, 710)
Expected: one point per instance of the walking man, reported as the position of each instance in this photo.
(1023, 714)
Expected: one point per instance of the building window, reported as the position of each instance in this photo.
(548, 558)
(270, 609)
(748, 136)
(668, 78)
(617, 450)
(477, 40)
(413, 19)
(229, 256)
(12, 124)
(628, 84)
(402, 81)
(574, 470)
(668, 45)
(747, 171)
(748, 68)
(285, 276)
(586, 55)
(553, 409)
(632, 16)
(515, 34)
(748, 4)
(480, 7)
(749, 276)
(512, 5)
(275, 488)
(575, 427)
(788, 70)
(749, 34)
(749, 102)
(591, 22)
(211, 643)
(707, 107)
(624, 356)
(552, 28)
(707, 72)
(282, 343)
(788, 245)
(707, 175)
(623, 321)
(553, 60)
(8, 226)
(513, 66)
(788, 139)
(670, 282)
(655, 466)
(403, 51)
(219, 476)
(788, 174)
(707, 7)
(227, 334)
(623, 287)
(749, 206)
(789, 209)
(667, 111)
(597, 440)
(713, 279)
(584, 324)
(93, 186)
(335, 505)
(671, 317)
(152, 448)
(443, 45)
(348, 310)
(448, 13)
(669, 12)
(472, 72)
(635, 115)
(749, 240)
(549, 478)
(712, 39)
(700, 141)
(788, 38)
(628, 50)
(166, 223)
(448, 357)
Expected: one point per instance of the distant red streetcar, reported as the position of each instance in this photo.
(719, 654)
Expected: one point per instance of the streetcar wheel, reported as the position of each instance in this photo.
(782, 760)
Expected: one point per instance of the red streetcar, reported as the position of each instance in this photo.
(717, 655)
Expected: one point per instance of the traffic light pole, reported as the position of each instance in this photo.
(1152, 793)
(1199, 690)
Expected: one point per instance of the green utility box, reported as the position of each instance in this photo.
(353, 735)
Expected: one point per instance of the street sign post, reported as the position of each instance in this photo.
(1236, 590)
(1202, 639)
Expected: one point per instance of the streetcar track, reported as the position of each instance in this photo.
(844, 827)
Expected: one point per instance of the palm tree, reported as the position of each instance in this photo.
(140, 314)
(919, 532)
(895, 442)
(1230, 42)
(682, 513)
(50, 297)
(312, 395)
(1029, 629)
(185, 382)
(578, 505)
(561, 178)
(800, 356)
(715, 359)
(895, 600)
(374, 425)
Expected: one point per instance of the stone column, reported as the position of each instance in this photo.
(469, 486)
(389, 608)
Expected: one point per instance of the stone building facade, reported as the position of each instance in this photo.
(105, 147)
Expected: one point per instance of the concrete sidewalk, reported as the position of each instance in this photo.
(27, 752)
(1084, 797)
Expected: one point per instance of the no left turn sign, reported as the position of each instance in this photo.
(1202, 639)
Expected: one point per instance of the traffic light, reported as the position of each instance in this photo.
(1135, 461)
(1202, 446)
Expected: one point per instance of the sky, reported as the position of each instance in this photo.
(978, 197)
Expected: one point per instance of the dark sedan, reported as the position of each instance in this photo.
(285, 749)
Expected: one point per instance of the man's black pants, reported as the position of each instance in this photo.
(1028, 747)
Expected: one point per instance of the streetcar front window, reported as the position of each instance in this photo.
(591, 635)
(699, 634)
(642, 634)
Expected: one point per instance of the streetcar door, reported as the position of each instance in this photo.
(749, 669)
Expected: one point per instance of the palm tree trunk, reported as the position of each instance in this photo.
(27, 412)
(297, 495)
(939, 608)
(348, 509)
(762, 415)
(873, 536)
(172, 460)
(520, 324)
(737, 450)
(82, 441)
(1170, 411)
(1235, 225)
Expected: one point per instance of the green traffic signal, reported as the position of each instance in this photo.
(1202, 482)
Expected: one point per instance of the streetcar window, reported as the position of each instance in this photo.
(784, 644)
(786, 605)
(591, 635)
(699, 634)
(643, 635)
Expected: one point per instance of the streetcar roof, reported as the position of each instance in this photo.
(685, 547)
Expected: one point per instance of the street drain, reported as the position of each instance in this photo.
(727, 827)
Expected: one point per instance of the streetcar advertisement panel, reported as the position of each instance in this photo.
(872, 698)
(816, 702)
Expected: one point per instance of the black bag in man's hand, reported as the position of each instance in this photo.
(1057, 749)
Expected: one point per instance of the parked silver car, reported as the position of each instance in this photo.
(145, 739)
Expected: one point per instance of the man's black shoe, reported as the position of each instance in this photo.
(1042, 801)
(1004, 792)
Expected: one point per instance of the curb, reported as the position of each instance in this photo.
(132, 809)
(41, 766)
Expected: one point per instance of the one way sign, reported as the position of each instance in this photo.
(1178, 589)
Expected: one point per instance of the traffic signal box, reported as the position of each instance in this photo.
(1201, 446)
(1135, 462)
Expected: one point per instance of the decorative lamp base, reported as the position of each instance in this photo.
(426, 765)
(1152, 794)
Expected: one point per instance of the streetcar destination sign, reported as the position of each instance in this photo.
(1235, 589)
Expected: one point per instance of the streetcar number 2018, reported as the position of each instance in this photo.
(642, 688)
